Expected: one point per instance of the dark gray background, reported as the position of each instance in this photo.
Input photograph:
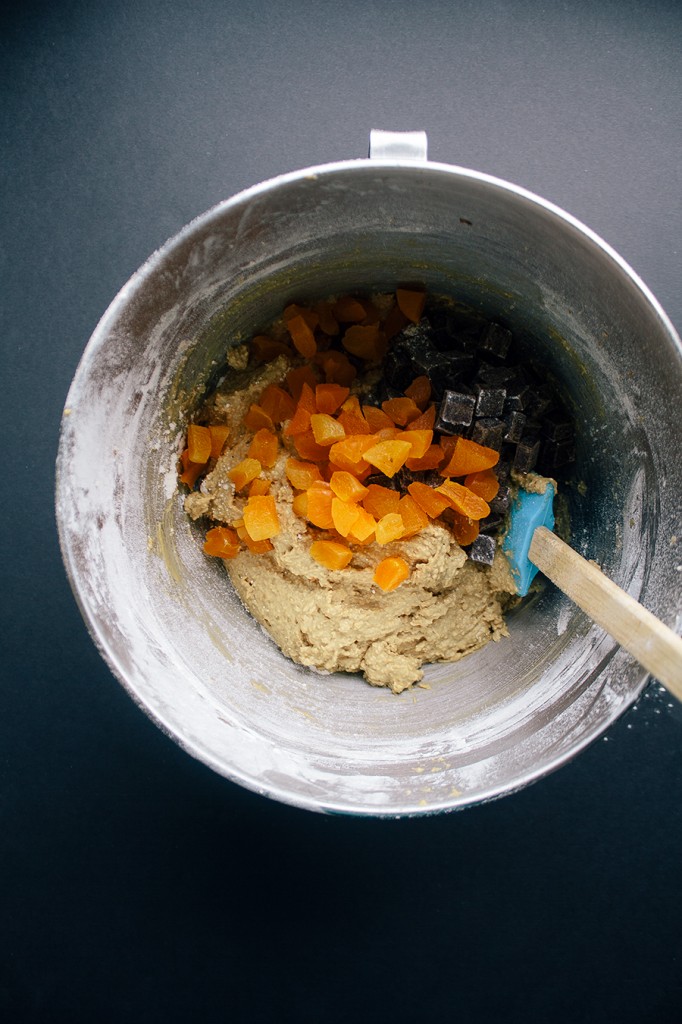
(136, 884)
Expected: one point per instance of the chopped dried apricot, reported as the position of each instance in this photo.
(463, 500)
(365, 341)
(391, 572)
(347, 486)
(390, 527)
(308, 448)
(302, 475)
(426, 421)
(198, 443)
(350, 450)
(244, 472)
(308, 315)
(420, 441)
(427, 498)
(376, 418)
(469, 457)
(191, 471)
(388, 456)
(327, 321)
(413, 515)
(363, 528)
(419, 391)
(266, 349)
(264, 447)
(337, 367)
(257, 418)
(464, 529)
(297, 376)
(411, 303)
(326, 430)
(219, 433)
(485, 484)
(302, 336)
(394, 321)
(260, 517)
(259, 486)
(344, 515)
(222, 542)
(401, 410)
(331, 553)
(277, 403)
(380, 501)
(431, 459)
(319, 506)
(330, 397)
(348, 310)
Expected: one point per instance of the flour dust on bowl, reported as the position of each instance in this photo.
(166, 618)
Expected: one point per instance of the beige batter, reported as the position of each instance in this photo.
(340, 620)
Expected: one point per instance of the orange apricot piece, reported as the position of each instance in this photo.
(327, 321)
(464, 529)
(326, 430)
(331, 553)
(420, 441)
(351, 450)
(348, 310)
(308, 448)
(380, 501)
(388, 456)
(297, 376)
(256, 547)
(256, 418)
(376, 418)
(198, 443)
(463, 500)
(485, 484)
(308, 315)
(337, 367)
(191, 471)
(389, 527)
(426, 421)
(419, 391)
(394, 321)
(428, 499)
(260, 517)
(266, 349)
(277, 403)
(259, 486)
(391, 572)
(401, 410)
(431, 459)
(219, 433)
(319, 506)
(221, 542)
(244, 472)
(411, 303)
(302, 336)
(365, 341)
(346, 486)
(330, 397)
(344, 515)
(264, 447)
(302, 475)
(469, 457)
(362, 530)
(413, 515)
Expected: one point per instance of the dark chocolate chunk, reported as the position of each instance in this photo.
(540, 404)
(398, 369)
(515, 422)
(556, 454)
(489, 399)
(496, 375)
(489, 432)
(519, 394)
(557, 427)
(483, 549)
(496, 340)
(526, 456)
(501, 502)
(456, 410)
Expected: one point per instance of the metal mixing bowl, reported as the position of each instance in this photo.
(166, 619)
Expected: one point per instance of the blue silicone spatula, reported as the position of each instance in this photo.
(530, 545)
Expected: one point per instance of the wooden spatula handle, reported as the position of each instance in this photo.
(654, 646)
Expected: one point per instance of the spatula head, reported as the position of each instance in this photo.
(528, 511)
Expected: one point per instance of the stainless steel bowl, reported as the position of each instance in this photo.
(169, 624)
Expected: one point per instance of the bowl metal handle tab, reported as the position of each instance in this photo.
(397, 145)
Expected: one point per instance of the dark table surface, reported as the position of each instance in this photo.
(136, 884)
